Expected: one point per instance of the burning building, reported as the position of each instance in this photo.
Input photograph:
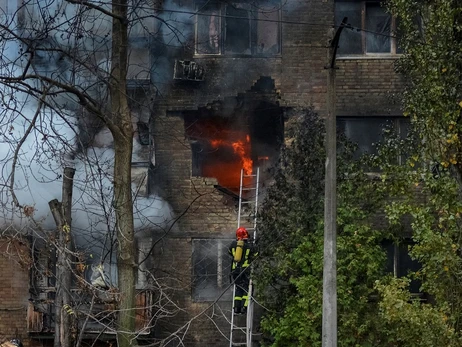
(211, 98)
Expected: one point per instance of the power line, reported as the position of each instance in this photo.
(347, 26)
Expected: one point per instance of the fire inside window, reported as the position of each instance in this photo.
(238, 28)
(377, 25)
(220, 150)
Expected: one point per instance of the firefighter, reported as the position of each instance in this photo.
(242, 251)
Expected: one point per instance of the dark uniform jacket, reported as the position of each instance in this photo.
(248, 253)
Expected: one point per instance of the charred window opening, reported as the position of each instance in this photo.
(238, 27)
(377, 26)
(240, 136)
(237, 33)
(220, 148)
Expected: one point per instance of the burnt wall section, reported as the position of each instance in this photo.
(368, 87)
(203, 210)
(14, 289)
(297, 69)
(304, 54)
(365, 86)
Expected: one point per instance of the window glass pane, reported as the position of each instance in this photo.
(211, 268)
(398, 258)
(365, 132)
(208, 29)
(267, 31)
(350, 40)
(237, 38)
(379, 22)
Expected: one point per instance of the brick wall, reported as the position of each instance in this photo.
(364, 87)
(14, 288)
(368, 87)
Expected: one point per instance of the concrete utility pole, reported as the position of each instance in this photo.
(329, 292)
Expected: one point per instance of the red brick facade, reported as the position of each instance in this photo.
(14, 288)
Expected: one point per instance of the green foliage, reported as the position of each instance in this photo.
(432, 37)
(424, 194)
(289, 271)
(426, 191)
(409, 323)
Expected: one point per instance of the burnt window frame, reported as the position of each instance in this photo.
(253, 13)
(217, 285)
(364, 33)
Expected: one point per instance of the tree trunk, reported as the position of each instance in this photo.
(122, 131)
(62, 216)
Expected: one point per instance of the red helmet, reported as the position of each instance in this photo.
(242, 234)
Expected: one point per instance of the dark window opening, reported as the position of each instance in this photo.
(373, 28)
(208, 29)
(237, 32)
(238, 28)
(367, 132)
(211, 265)
(399, 262)
(378, 22)
(240, 136)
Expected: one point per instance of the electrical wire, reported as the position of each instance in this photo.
(280, 21)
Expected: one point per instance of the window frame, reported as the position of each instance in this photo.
(253, 34)
(223, 266)
(399, 262)
(399, 124)
(394, 49)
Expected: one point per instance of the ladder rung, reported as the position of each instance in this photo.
(239, 328)
(249, 175)
(239, 343)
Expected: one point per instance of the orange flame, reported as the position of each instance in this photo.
(242, 148)
(231, 151)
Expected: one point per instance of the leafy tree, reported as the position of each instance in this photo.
(289, 269)
(426, 190)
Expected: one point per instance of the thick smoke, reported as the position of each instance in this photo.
(37, 140)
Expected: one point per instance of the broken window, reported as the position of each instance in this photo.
(238, 28)
(373, 28)
(208, 29)
(211, 265)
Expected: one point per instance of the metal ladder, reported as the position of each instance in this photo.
(249, 186)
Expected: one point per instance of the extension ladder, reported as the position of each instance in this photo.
(241, 335)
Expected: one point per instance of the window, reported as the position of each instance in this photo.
(238, 28)
(378, 27)
(366, 132)
(399, 262)
(211, 269)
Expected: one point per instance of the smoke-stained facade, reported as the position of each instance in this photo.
(211, 84)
